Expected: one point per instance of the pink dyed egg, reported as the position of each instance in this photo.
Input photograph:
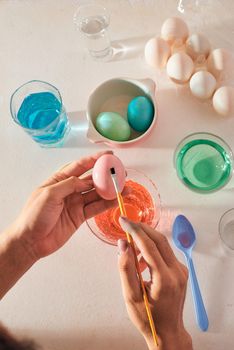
(102, 176)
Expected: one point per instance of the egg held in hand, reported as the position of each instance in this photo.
(102, 179)
(113, 126)
(140, 113)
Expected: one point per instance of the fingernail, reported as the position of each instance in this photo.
(122, 246)
(127, 225)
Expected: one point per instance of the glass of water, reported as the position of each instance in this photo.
(93, 22)
(226, 231)
(37, 107)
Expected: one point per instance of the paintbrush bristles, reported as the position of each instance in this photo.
(112, 170)
(114, 179)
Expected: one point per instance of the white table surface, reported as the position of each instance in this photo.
(72, 299)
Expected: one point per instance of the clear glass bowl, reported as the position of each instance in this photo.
(204, 162)
(150, 187)
(226, 231)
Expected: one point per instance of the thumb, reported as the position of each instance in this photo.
(70, 185)
(128, 275)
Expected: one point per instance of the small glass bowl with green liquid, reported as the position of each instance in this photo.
(204, 162)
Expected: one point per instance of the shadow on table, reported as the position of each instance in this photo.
(77, 136)
(85, 340)
(219, 298)
(129, 48)
(181, 114)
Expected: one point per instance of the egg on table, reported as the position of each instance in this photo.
(113, 126)
(223, 101)
(219, 60)
(140, 113)
(180, 67)
(202, 84)
(197, 46)
(157, 52)
(102, 179)
(174, 29)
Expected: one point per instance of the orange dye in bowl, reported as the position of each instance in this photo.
(139, 206)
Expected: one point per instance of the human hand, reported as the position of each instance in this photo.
(58, 207)
(166, 291)
(53, 212)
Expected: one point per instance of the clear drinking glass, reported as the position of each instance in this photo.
(38, 108)
(93, 22)
(226, 231)
(204, 162)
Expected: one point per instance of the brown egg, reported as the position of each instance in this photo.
(223, 101)
(157, 52)
(174, 29)
(180, 67)
(197, 46)
(219, 60)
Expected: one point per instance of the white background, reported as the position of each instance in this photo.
(72, 299)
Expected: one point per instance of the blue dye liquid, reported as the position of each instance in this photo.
(43, 116)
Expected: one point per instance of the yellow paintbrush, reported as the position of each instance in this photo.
(131, 242)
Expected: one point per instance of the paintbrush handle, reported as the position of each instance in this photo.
(145, 297)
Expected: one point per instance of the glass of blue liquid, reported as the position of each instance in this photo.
(37, 107)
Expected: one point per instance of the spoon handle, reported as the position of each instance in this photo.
(201, 315)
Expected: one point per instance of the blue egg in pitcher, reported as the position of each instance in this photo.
(140, 113)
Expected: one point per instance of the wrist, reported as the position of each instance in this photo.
(171, 341)
(15, 259)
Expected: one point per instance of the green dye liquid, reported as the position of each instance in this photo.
(203, 165)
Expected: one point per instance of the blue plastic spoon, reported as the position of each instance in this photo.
(184, 238)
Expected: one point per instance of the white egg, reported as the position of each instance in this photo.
(202, 85)
(219, 60)
(223, 101)
(174, 29)
(157, 52)
(180, 67)
(198, 46)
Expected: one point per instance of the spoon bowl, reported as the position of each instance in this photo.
(183, 234)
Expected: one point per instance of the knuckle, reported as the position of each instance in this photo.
(124, 267)
(163, 239)
(182, 276)
(132, 299)
(73, 180)
(171, 285)
(47, 192)
(60, 176)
